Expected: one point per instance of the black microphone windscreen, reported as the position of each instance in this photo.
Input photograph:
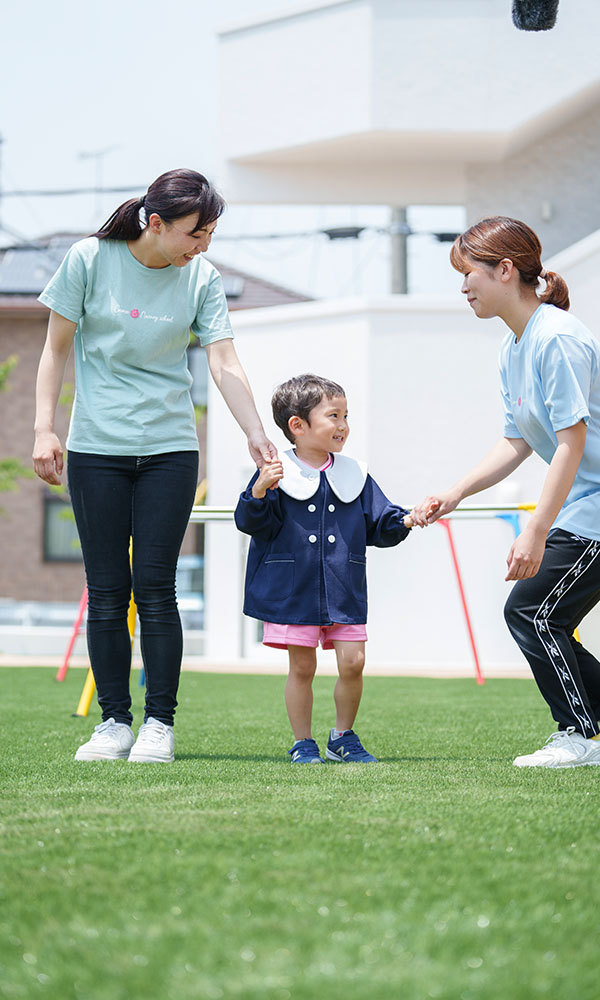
(534, 15)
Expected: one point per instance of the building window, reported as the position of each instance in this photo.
(61, 541)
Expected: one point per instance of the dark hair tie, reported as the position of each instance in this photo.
(142, 201)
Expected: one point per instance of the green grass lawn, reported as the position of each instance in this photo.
(442, 871)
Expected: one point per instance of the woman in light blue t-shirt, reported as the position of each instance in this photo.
(126, 299)
(550, 368)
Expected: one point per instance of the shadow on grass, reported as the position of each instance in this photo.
(444, 759)
(266, 758)
(283, 759)
(230, 756)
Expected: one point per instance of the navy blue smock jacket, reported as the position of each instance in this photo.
(307, 558)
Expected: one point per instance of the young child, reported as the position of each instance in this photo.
(306, 572)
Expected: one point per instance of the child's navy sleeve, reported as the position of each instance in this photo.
(384, 520)
(262, 518)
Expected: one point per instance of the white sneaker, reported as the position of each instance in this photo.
(110, 741)
(154, 744)
(567, 748)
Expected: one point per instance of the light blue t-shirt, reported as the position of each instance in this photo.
(133, 327)
(550, 381)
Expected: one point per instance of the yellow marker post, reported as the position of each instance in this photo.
(131, 617)
(86, 695)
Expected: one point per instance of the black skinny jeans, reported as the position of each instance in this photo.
(543, 612)
(149, 499)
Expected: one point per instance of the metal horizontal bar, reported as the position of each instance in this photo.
(201, 514)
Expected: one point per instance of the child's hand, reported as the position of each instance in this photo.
(268, 477)
(428, 511)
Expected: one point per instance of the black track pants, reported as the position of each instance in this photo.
(542, 614)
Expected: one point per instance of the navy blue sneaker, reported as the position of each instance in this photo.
(306, 752)
(348, 748)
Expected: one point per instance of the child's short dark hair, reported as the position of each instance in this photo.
(298, 396)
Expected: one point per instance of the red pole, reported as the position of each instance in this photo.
(478, 675)
(62, 671)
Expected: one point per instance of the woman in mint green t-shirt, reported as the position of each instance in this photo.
(126, 299)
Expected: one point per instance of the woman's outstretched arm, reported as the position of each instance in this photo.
(506, 456)
(230, 379)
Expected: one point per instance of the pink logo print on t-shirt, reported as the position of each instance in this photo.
(135, 313)
(518, 400)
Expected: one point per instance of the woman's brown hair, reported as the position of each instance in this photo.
(172, 196)
(500, 238)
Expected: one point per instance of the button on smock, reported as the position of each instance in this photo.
(331, 538)
(312, 538)
(331, 507)
(312, 508)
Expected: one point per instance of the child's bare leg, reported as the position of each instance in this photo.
(298, 690)
(348, 689)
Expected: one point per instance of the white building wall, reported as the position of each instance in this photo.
(580, 266)
(552, 183)
(287, 81)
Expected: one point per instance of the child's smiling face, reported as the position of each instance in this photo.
(326, 430)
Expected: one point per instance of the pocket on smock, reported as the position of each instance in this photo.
(279, 572)
(358, 570)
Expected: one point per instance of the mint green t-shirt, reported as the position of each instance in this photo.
(132, 384)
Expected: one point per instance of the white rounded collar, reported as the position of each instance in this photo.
(346, 477)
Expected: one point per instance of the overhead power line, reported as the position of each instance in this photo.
(333, 233)
(343, 233)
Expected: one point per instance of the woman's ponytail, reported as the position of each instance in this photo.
(556, 292)
(124, 223)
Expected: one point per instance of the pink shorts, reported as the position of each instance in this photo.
(282, 636)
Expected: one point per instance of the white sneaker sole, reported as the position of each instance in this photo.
(100, 755)
(563, 764)
(143, 758)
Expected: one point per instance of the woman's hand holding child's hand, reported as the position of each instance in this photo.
(268, 478)
(426, 512)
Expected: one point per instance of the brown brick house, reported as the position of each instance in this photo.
(39, 556)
